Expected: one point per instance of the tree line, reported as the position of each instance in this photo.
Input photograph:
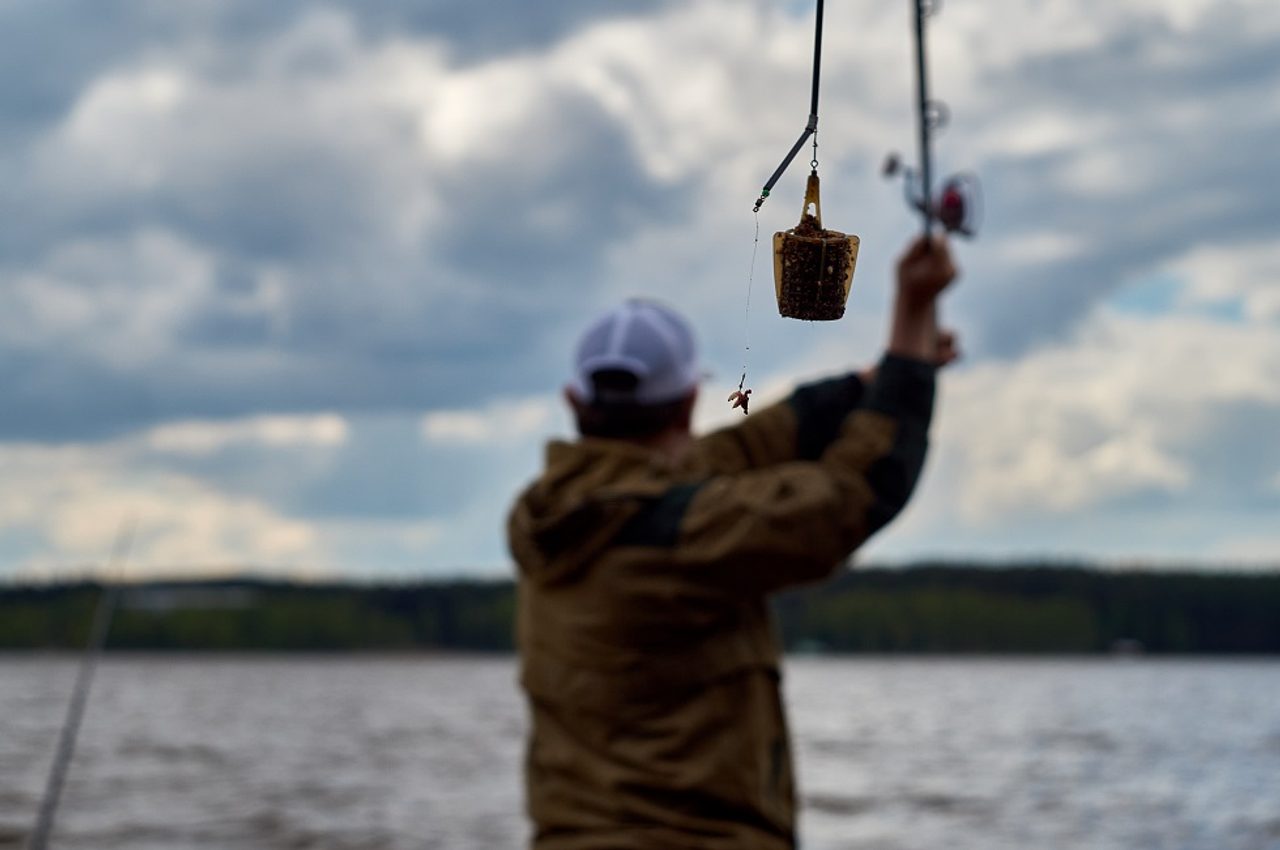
(944, 608)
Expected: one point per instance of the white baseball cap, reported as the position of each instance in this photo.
(645, 339)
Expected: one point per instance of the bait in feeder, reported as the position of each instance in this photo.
(813, 267)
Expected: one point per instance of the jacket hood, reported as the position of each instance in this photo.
(587, 493)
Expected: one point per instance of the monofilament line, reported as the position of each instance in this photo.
(746, 323)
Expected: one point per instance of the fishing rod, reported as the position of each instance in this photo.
(927, 119)
(811, 128)
(102, 616)
(956, 205)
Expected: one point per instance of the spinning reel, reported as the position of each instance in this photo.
(958, 205)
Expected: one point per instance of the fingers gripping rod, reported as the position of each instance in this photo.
(811, 127)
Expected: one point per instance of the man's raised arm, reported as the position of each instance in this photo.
(764, 529)
(805, 423)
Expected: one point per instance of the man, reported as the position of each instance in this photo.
(646, 557)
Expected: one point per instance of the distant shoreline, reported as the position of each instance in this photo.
(947, 610)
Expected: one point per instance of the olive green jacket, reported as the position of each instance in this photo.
(647, 651)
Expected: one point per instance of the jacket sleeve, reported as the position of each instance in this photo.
(799, 428)
(764, 529)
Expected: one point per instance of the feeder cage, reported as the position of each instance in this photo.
(812, 267)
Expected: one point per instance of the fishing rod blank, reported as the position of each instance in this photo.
(812, 126)
(80, 695)
(957, 205)
(926, 119)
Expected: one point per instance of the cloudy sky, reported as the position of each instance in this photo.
(294, 285)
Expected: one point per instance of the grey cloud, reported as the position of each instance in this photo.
(471, 310)
(1210, 185)
(586, 183)
(51, 48)
(1150, 64)
(1212, 203)
(383, 471)
(1226, 477)
(484, 29)
(64, 398)
(362, 322)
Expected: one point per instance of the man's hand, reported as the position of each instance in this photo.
(946, 350)
(946, 347)
(924, 271)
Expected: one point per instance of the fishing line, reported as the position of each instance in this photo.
(746, 319)
(741, 397)
(102, 616)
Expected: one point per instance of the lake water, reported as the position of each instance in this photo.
(424, 752)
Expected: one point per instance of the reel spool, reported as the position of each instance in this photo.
(957, 206)
(813, 267)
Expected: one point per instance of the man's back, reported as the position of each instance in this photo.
(648, 654)
(652, 692)
(646, 560)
